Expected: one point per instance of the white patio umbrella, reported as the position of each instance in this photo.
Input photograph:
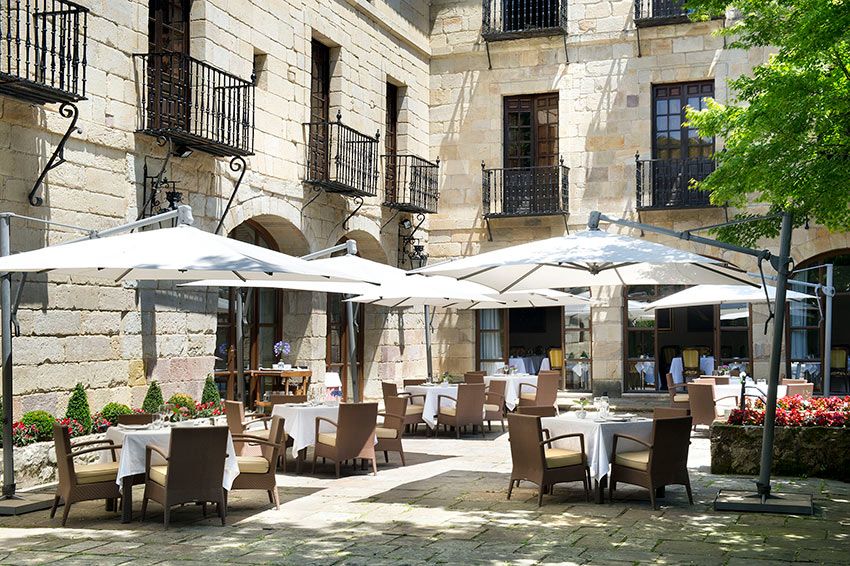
(591, 257)
(418, 290)
(721, 295)
(524, 299)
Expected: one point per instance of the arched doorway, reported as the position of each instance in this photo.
(805, 333)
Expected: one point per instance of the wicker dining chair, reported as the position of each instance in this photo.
(662, 461)
(413, 411)
(804, 389)
(389, 432)
(669, 413)
(193, 470)
(538, 411)
(407, 382)
(544, 393)
(284, 398)
(535, 460)
(135, 419)
(82, 482)
(678, 393)
(791, 381)
(474, 376)
(236, 422)
(494, 403)
(258, 472)
(353, 436)
(703, 404)
(466, 409)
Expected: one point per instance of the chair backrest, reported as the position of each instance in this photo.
(277, 437)
(283, 398)
(701, 398)
(235, 413)
(669, 412)
(389, 389)
(470, 402)
(711, 380)
(838, 357)
(671, 440)
(135, 419)
(804, 389)
(789, 381)
(735, 372)
(721, 380)
(474, 377)
(690, 358)
(62, 444)
(356, 428)
(495, 392)
(395, 408)
(524, 435)
(667, 355)
(196, 463)
(407, 382)
(556, 357)
(547, 387)
(538, 410)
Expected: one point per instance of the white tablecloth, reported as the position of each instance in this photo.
(512, 386)
(647, 371)
(300, 422)
(598, 437)
(429, 413)
(677, 370)
(706, 365)
(752, 389)
(579, 369)
(800, 369)
(132, 458)
(519, 364)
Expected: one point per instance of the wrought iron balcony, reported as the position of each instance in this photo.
(342, 160)
(665, 183)
(511, 19)
(43, 50)
(525, 191)
(410, 183)
(195, 104)
(660, 12)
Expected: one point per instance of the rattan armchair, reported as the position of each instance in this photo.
(669, 413)
(406, 382)
(135, 419)
(474, 376)
(662, 461)
(465, 410)
(535, 460)
(284, 398)
(804, 389)
(678, 394)
(413, 411)
(542, 411)
(703, 404)
(258, 472)
(494, 403)
(353, 436)
(544, 393)
(389, 433)
(193, 470)
(238, 425)
(82, 482)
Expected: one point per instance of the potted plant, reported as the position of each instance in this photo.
(582, 404)
(282, 349)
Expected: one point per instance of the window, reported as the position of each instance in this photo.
(491, 339)
(168, 78)
(578, 353)
(260, 69)
(523, 15)
(391, 143)
(671, 138)
(320, 93)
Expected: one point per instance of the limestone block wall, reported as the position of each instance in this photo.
(115, 338)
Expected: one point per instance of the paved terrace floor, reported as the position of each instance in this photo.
(447, 506)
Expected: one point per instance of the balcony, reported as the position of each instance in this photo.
(342, 160)
(196, 105)
(525, 191)
(513, 19)
(660, 12)
(664, 183)
(43, 50)
(410, 184)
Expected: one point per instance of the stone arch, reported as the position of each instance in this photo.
(368, 246)
(288, 237)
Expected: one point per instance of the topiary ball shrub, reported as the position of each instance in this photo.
(153, 398)
(210, 394)
(112, 411)
(183, 401)
(43, 423)
(78, 408)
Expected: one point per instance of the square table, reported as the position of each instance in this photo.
(598, 440)
(431, 392)
(300, 424)
(131, 459)
(512, 383)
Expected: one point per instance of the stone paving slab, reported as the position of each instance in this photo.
(448, 506)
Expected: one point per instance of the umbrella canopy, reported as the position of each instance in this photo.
(418, 290)
(179, 253)
(721, 295)
(525, 299)
(588, 258)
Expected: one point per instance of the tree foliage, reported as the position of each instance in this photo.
(153, 398)
(78, 408)
(210, 393)
(786, 130)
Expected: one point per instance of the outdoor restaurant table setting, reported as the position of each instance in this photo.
(432, 391)
(512, 383)
(300, 422)
(131, 457)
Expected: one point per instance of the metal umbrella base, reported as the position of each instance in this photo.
(747, 501)
(25, 503)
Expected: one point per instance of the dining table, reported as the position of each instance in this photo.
(431, 393)
(131, 458)
(598, 439)
(512, 385)
(299, 423)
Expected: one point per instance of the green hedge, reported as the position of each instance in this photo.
(78, 408)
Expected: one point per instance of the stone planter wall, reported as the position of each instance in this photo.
(35, 464)
(822, 452)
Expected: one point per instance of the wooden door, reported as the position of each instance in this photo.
(391, 146)
(169, 81)
(320, 87)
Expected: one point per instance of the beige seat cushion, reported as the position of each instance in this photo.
(637, 460)
(529, 396)
(382, 432)
(560, 457)
(252, 464)
(492, 408)
(414, 410)
(681, 398)
(328, 438)
(159, 474)
(448, 411)
(94, 473)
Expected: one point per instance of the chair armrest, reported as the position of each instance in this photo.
(546, 433)
(441, 397)
(412, 397)
(521, 385)
(94, 449)
(683, 386)
(498, 396)
(153, 448)
(578, 435)
(253, 440)
(735, 397)
(263, 420)
(385, 415)
(618, 436)
(318, 422)
(90, 442)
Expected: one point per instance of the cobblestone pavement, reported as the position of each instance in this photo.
(447, 506)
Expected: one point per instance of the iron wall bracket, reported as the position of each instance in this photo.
(67, 110)
(237, 165)
(359, 201)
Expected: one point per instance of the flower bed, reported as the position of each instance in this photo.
(812, 439)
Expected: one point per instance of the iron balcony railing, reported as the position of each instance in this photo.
(665, 183)
(195, 104)
(509, 19)
(342, 160)
(660, 12)
(525, 191)
(43, 50)
(410, 183)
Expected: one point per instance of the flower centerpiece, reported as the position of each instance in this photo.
(582, 407)
(282, 349)
(722, 369)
